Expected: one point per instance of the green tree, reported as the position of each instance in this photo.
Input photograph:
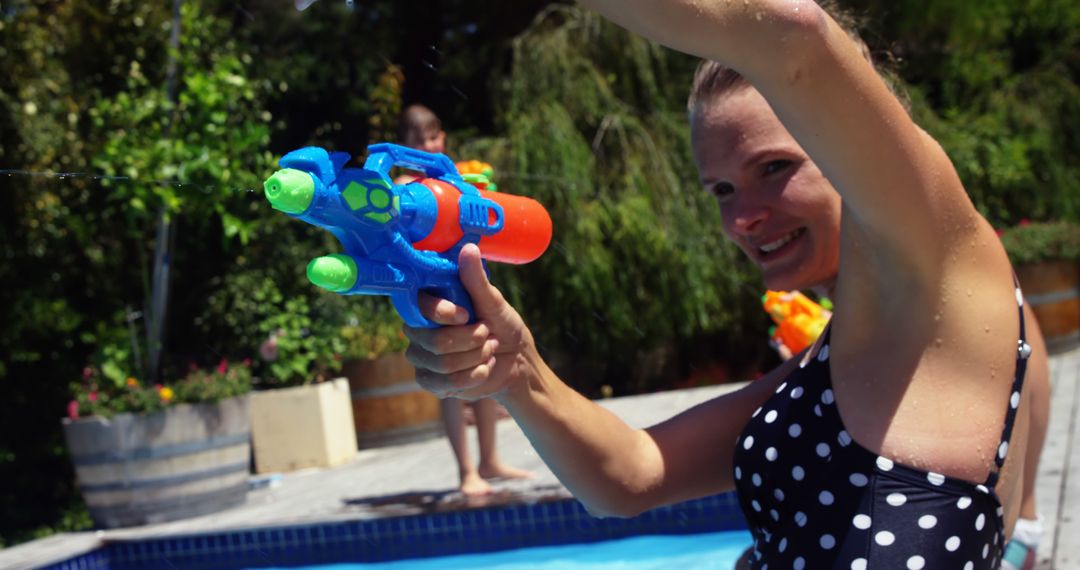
(81, 246)
(997, 83)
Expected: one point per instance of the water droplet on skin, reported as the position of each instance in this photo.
(937, 342)
(986, 328)
(937, 316)
(969, 292)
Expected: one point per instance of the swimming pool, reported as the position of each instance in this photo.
(717, 550)
(549, 523)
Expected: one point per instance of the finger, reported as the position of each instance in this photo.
(441, 311)
(451, 363)
(446, 340)
(464, 384)
(485, 297)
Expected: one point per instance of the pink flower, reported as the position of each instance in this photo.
(73, 409)
(87, 372)
(222, 366)
(1024, 222)
(268, 350)
(247, 362)
(92, 396)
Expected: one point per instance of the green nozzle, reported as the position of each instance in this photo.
(290, 190)
(335, 272)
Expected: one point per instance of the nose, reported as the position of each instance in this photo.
(746, 213)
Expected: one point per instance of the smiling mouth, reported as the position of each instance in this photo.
(766, 249)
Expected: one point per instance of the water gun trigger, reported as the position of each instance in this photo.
(407, 304)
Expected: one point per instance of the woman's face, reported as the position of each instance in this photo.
(775, 203)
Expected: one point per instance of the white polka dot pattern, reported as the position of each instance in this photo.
(885, 538)
(815, 498)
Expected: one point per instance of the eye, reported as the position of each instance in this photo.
(721, 190)
(774, 166)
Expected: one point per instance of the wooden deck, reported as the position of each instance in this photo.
(410, 478)
(1058, 490)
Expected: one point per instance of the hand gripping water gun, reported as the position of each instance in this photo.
(799, 320)
(400, 239)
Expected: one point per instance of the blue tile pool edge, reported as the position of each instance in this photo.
(547, 523)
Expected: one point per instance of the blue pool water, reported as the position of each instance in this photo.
(716, 550)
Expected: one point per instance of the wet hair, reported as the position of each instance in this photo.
(712, 79)
(417, 118)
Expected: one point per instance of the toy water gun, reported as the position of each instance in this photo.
(799, 320)
(477, 173)
(400, 239)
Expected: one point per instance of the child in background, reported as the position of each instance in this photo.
(421, 129)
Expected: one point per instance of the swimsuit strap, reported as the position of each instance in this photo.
(1023, 351)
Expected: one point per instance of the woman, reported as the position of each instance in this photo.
(899, 438)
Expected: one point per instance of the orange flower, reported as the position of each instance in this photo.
(132, 382)
(166, 394)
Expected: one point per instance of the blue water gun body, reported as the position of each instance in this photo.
(398, 239)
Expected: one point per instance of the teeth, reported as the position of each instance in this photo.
(773, 246)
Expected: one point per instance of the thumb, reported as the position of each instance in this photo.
(486, 298)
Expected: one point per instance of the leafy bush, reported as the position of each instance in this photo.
(295, 334)
(1045, 241)
(373, 339)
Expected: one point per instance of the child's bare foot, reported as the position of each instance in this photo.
(474, 485)
(502, 471)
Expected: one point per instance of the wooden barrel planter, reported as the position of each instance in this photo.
(1052, 289)
(184, 461)
(389, 407)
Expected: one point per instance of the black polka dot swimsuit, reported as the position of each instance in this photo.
(816, 499)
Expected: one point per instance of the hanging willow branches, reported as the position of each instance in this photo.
(596, 131)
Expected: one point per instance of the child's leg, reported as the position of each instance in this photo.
(491, 467)
(453, 416)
